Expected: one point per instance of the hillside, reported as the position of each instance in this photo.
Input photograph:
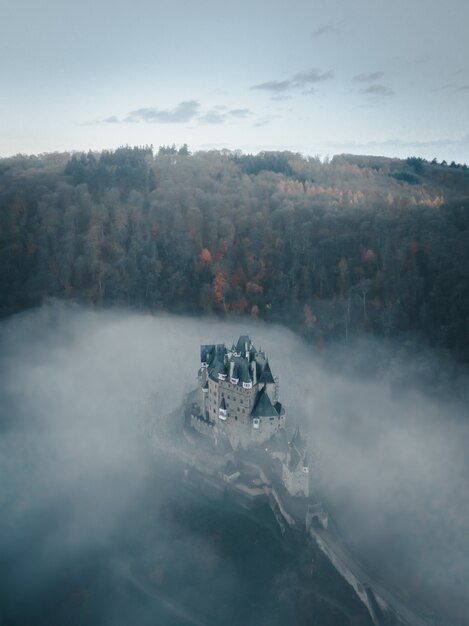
(333, 249)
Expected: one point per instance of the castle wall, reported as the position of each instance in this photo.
(239, 401)
(239, 404)
(206, 428)
(297, 482)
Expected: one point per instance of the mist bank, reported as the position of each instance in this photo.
(76, 470)
(332, 249)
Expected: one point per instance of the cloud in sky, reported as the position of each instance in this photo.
(311, 77)
(274, 85)
(186, 111)
(183, 112)
(240, 112)
(326, 29)
(281, 98)
(377, 90)
(260, 123)
(218, 115)
(368, 78)
(297, 81)
(453, 87)
(112, 119)
(373, 88)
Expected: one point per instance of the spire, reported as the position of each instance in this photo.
(244, 344)
(297, 448)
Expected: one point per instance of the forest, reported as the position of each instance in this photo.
(332, 248)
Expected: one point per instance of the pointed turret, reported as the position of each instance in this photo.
(297, 450)
(263, 406)
(266, 376)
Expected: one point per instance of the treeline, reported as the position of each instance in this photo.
(331, 248)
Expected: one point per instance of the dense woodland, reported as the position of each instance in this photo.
(331, 248)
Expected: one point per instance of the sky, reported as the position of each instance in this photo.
(319, 77)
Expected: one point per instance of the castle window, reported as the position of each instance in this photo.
(256, 422)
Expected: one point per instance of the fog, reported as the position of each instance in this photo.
(82, 487)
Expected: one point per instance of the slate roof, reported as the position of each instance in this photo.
(263, 406)
(297, 450)
(215, 356)
(266, 376)
(216, 367)
(242, 341)
(206, 353)
(279, 408)
(242, 370)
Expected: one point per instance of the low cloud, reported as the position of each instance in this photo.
(95, 529)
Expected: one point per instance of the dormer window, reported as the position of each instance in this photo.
(247, 385)
(234, 381)
(221, 376)
(222, 414)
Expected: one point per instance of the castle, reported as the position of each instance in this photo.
(239, 408)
